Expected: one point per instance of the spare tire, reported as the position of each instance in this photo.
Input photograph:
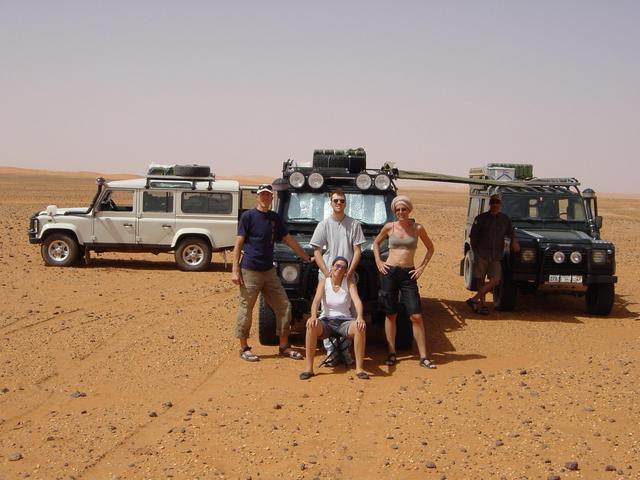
(192, 170)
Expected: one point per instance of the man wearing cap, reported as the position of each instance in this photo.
(258, 230)
(487, 242)
(341, 236)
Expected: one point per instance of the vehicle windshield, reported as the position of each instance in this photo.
(305, 207)
(540, 207)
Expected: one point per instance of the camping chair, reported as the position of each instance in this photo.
(337, 355)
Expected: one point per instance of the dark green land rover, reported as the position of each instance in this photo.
(558, 228)
(302, 200)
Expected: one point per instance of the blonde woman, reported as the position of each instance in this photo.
(399, 273)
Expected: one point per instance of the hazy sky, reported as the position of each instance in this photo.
(242, 86)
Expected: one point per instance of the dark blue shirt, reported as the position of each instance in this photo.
(260, 231)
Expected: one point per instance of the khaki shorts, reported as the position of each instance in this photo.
(269, 285)
(483, 267)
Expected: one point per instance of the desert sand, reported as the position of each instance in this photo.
(127, 368)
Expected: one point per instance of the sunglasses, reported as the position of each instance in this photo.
(402, 209)
(340, 266)
(338, 200)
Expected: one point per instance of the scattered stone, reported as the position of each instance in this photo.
(278, 406)
(204, 414)
(430, 464)
(610, 468)
(499, 443)
(523, 372)
(78, 394)
(302, 466)
(170, 337)
(312, 459)
(478, 371)
(167, 404)
(14, 457)
(394, 446)
(153, 414)
(553, 477)
(191, 411)
(4, 390)
(572, 465)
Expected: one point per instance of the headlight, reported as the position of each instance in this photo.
(528, 255)
(576, 257)
(315, 180)
(599, 256)
(363, 181)
(290, 273)
(558, 257)
(296, 179)
(382, 181)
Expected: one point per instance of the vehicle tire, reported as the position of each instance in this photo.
(470, 282)
(192, 170)
(600, 298)
(266, 324)
(193, 254)
(505, 294)
(60, 250)
(404, 331)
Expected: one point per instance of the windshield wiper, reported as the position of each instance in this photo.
(304, 219)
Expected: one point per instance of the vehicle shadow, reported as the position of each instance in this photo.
(129, 264)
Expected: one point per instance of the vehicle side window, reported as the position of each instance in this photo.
(117, 201)
(201, 202)
(474, 207)
(157, 201)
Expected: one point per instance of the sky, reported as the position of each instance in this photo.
(437, 86)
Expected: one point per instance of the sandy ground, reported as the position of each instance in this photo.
(127, 368)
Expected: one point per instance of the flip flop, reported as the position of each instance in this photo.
(362, 375)
(306, 375)
(473, 305)
(426, 363)
(391, 360)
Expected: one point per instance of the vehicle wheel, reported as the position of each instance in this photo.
(600, 298)
(470, 282)
(404, 331)
(504, 295)
(60, 250)
(266, 324)
(192, 170)
(193, 255)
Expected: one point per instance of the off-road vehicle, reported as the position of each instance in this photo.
(302, 200)
(182, 209)
(558, 228)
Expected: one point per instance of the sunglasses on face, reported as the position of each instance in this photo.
(340, 266)
(338, 200)
(402, 209)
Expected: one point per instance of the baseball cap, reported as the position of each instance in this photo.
(494, 199)
(265, 187)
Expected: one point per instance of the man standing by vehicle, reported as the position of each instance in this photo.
(487, 242)
(258, 230)
(342, 236)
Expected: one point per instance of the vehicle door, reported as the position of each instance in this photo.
(115, 218)
(156, 217)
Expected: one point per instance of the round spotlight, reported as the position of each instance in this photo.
(528, 255)
(576, 257)
(382, 181)
(363, 181)
(296, 179)
(289, 273)
(558, 257)
(315, 180)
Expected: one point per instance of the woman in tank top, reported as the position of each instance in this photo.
(400, 274)
(337, 294)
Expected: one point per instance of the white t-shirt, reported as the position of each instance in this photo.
(339, 238)
(336, 304)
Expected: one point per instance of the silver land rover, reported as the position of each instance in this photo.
(186, 211)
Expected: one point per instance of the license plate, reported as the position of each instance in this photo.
(565, 278)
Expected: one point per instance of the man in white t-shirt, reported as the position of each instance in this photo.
(341, 236)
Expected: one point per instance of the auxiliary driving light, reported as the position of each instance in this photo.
(382, 181)
(576, 257)
(363, 181)
(296, 179)
(315, 180)
(558, 257)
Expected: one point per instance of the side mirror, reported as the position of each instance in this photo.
(598, 221)
(52, 210)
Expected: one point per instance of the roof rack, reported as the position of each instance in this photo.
(174, 178)
(553, 182)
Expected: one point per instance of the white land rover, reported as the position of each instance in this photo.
(191, 214)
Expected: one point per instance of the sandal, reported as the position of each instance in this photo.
(483, 310)
(248, 355)
(287, 351)
(473, 305)
(426, 363)
(306, 375)
(391, 359)
(362, 375)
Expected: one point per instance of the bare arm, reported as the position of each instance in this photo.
(357, 253)
(236, 273)
(295, 246)
(384, 233)
(422, 234)
(312, 322)
(317, 255)
(357, 303)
